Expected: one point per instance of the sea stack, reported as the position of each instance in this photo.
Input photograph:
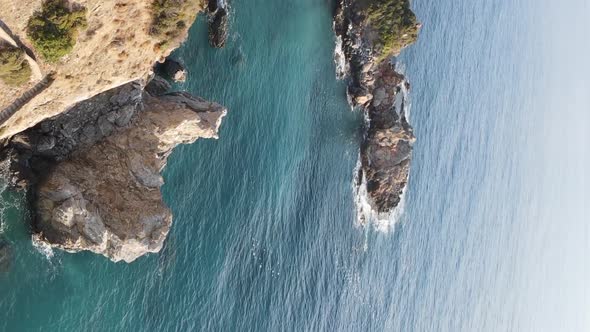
(371, 34)
(218, 22)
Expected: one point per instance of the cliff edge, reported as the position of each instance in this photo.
(86, 125)
(118, 43)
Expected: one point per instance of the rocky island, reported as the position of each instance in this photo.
(87, 123)
(369, 36)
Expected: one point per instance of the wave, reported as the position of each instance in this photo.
(365, 215)
(42, 247)
(340, 60)
(406, 105)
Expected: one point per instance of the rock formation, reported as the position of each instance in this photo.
(379, 90)
(218, 21)
(94, 171)
(88, 142)
(387, 148)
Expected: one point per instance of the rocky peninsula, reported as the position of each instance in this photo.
(370, 34)
(88, 123)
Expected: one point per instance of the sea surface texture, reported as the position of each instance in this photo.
(265, 234)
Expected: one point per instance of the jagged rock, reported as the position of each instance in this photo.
(157, 86)
(218, 22)
(363, 99)
(376, 87)
(386, 155)
(106, 199)
(97, 185)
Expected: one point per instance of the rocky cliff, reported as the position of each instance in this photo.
(87, 136)
(94, 171)
(369, 35)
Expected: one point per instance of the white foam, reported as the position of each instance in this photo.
(407, 101)
(42, 247)
(366, 216)
(340, 60)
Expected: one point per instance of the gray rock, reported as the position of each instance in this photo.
(45, 143)
(124, 115)
(218, 23)
(158, 86)
(105, 124)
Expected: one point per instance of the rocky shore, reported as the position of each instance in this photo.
(378, 90)
(93, 172)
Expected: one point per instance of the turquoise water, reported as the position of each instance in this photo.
(264, 235)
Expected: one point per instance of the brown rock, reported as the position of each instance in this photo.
(106, 199)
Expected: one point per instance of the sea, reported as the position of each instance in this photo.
(492, 235)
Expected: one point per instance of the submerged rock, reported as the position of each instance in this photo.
(95, 180)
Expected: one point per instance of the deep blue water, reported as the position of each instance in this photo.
(264, 235)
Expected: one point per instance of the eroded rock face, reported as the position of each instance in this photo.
(95, 175)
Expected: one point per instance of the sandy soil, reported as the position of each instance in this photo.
(115, 48)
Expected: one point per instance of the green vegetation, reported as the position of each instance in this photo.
(54, 29)
(14, 68)
(171, 17)
(395, 24)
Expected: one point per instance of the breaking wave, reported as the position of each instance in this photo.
(340, 60)
(42, 247)
(365, 215)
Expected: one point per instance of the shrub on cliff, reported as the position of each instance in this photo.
(395, 24)
(171, 17)
(14, 68)
(53, 30)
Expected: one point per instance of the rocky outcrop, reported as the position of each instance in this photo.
(88, 141)
(94, 171)
(218, 22)
(380, 91)
(387, 148)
